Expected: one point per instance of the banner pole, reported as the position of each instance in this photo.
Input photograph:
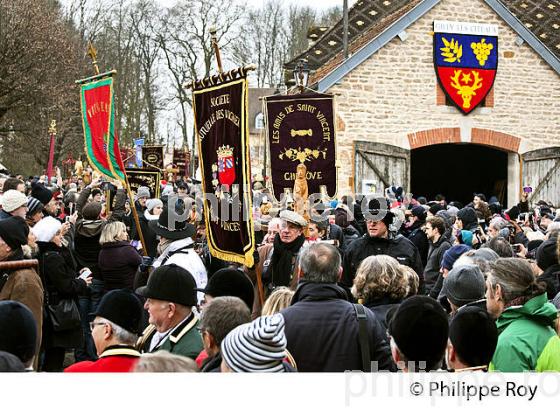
(135, 215)
(216, 46)
(52, 135)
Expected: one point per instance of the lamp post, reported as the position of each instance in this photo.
(301, 75)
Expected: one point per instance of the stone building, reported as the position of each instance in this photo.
(395, 124)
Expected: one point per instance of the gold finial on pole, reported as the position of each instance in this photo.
(216, 48)
(52, 128)
(92, 53)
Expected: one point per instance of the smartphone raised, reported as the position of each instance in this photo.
(85, 274)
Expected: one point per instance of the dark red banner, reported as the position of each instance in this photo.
(222, 133)
(301, 130)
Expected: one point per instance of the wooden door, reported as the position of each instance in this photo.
(378, 166)
(541, 171)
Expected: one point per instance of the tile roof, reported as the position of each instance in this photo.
(367, 19)
(362, 17)
(541, 17)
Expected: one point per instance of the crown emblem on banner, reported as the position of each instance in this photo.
(225, 151)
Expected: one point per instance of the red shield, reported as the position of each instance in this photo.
(226, 170)
(467, 87)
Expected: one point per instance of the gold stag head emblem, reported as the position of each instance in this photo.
(466, 86)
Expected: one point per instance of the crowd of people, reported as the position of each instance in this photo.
(394, 283)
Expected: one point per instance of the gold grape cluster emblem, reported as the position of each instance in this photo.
(482, 51)
(453, 51)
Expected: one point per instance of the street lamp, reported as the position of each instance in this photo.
(301, 75)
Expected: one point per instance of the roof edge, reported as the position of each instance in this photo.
(375, 44)
(525, 34)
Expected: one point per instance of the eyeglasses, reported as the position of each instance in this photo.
(93, 324)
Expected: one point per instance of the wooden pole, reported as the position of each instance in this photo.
(216, 47)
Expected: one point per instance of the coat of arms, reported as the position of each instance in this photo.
(466, 60)
(223, 172)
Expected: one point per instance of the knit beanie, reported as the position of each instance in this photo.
(420, 328)
(259, 346)
(92, 211)
(143, 192)
(486, 254)
(18, 330)
(152, 203)
(12, 200)
(33, 206)
(467, 216)
(435, 208)
(168, 190)
(466, 237)
(464, 284)
(42, 193)
(419, 212)
(452, 254)
(546, 254)
(46, 229)
(14, 232)
(375, 209)
(474, 336)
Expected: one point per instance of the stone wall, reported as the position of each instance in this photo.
(393, 95)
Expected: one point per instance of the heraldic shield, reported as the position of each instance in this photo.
(226, 168)
(466, 60)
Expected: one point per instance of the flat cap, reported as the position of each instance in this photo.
(293, 217)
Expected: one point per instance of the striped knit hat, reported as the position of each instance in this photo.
(259, 346)
(33, 206)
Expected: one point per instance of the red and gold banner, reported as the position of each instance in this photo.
(222, 131)
(98, 119)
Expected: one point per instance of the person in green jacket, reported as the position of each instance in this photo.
(525, 319)
(170, 295)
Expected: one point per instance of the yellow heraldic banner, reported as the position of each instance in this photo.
(221, 124)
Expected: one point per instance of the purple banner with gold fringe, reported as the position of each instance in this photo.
(301, 130)
(220, 113)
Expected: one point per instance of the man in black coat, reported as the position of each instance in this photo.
(322, 326)
(380, 240)
(435, 231)
(415, 231)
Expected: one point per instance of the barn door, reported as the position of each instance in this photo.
(541, 171)
(378, 166)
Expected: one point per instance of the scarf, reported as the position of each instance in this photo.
(163, 245)
(282, 257)
(149, 216)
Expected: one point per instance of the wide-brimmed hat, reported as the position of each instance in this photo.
(168, 226)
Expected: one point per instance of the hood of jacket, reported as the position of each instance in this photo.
(89, 228)
(312, 291)
(537, 309)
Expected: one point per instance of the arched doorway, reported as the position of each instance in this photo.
(459, 170)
